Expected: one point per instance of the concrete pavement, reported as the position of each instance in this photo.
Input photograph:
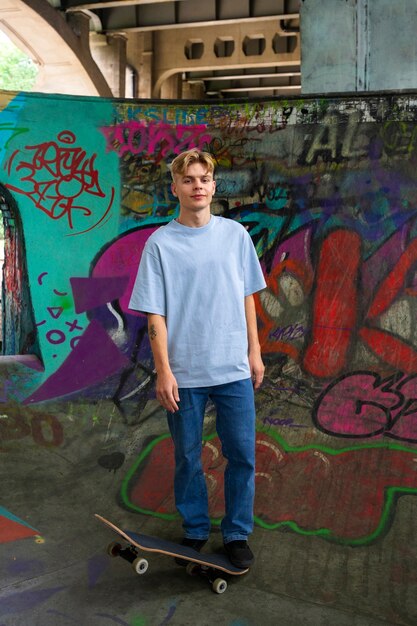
(60, 575)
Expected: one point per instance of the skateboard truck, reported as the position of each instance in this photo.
(130, 554)
(219, 585)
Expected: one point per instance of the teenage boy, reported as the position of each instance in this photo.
(196, 281)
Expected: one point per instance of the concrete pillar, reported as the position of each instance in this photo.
(140, 58)
(328, 46)
(193, 90)
(171, 88)
(109, 52)
(358, 45)
(145, 75)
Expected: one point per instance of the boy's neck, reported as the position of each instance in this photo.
(194, 220)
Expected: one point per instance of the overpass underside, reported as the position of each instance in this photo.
(153, 49)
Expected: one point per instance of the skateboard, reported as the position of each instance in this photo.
(209, 566)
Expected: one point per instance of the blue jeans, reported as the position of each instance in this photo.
(235, 425)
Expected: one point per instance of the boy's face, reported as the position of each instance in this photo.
(194, 188)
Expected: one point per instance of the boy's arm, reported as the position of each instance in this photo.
(256, 365)
(166, 384)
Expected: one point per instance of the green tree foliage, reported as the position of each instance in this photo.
(17, 71)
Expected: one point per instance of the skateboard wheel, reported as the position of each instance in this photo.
(219, 585)
(192, 569)
(113, 549)
(140, 565)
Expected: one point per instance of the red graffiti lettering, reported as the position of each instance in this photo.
(394, 282)
(267, 337)
(38, 424)
(17, 426)
(336, 325)
(298, 486)
(58, 178)
(335, 304)
(390, 349)
(13, 427)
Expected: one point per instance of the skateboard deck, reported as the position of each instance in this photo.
(207, 565)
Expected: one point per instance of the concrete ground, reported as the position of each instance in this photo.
(62, 576)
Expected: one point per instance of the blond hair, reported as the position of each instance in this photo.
(182, 162)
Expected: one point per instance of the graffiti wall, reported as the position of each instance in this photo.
(326, 189)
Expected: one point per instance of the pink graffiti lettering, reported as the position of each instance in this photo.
(364, 405)
(156, 139)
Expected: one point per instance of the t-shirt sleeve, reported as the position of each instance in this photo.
(148, 294)
(254, 278)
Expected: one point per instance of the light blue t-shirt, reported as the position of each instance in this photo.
(198, 278)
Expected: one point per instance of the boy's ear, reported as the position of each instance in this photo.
(173, 189)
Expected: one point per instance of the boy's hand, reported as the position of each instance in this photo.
(257, 369)
(167, 391)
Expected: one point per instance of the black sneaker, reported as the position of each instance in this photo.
(239, 553)
(195, 544)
